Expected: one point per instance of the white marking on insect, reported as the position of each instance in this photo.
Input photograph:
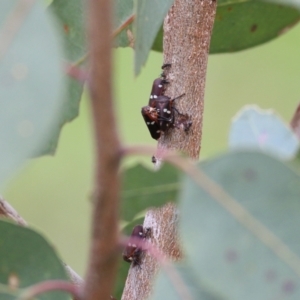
(165, 110)
(140, 233)
(151, 97)
(160, 86)
(134, 245)
(129, 245)
(148, 123)
(129, 258)
(154, 96)
(168, 112)
(152, 123)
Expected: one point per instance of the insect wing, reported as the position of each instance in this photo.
(165, 112)
(158, 88)
(132, 252)
(150, 116)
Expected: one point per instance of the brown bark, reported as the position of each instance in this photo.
(139, 281)
(103, 258)
(187, 32)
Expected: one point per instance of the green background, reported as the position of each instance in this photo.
(53, 193)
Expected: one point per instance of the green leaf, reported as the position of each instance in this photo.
(26, 258)
(123, 10)
(254, 128)
(31, 82)
(243, 24)
(70, 15)
(292, 3)
(167, 287)
(149, 17)
(221, 249)
(143, 188)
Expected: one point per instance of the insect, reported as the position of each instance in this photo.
(132, 252)
(159, 114)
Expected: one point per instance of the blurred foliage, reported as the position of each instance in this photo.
(264, 75)
(26, 258)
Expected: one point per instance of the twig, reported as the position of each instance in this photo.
(8, 211)
(50, 285)
(295, 122)
(103, 258)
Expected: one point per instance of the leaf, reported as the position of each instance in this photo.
(181, 285)
(123, 10)
(254, 128)
(149, 17)
(143, 188)
(241, 25)
(292, 3)
(31, 82)
(219, 246)
(70, 15)
(26, 259)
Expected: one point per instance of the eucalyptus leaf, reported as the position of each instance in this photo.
(31, 82)
(241, 25)
(149, 18)
(250, 254)
(70, 15)
(26, 258)
(143, 188)
(254, 128)
(182, 285)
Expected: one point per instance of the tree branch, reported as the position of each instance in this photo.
(103, 254)
(187, 32)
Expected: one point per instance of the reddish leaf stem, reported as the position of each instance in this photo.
(50, 285)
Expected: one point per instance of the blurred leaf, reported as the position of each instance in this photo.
(143, 188)
(222, 251)
(165, 288)
(149, 17)
(31, 82)
(158, 42)
(292, 3)
(26, 259)
(123, 10)
(70, 15)
(243, 24)
(254, 128)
